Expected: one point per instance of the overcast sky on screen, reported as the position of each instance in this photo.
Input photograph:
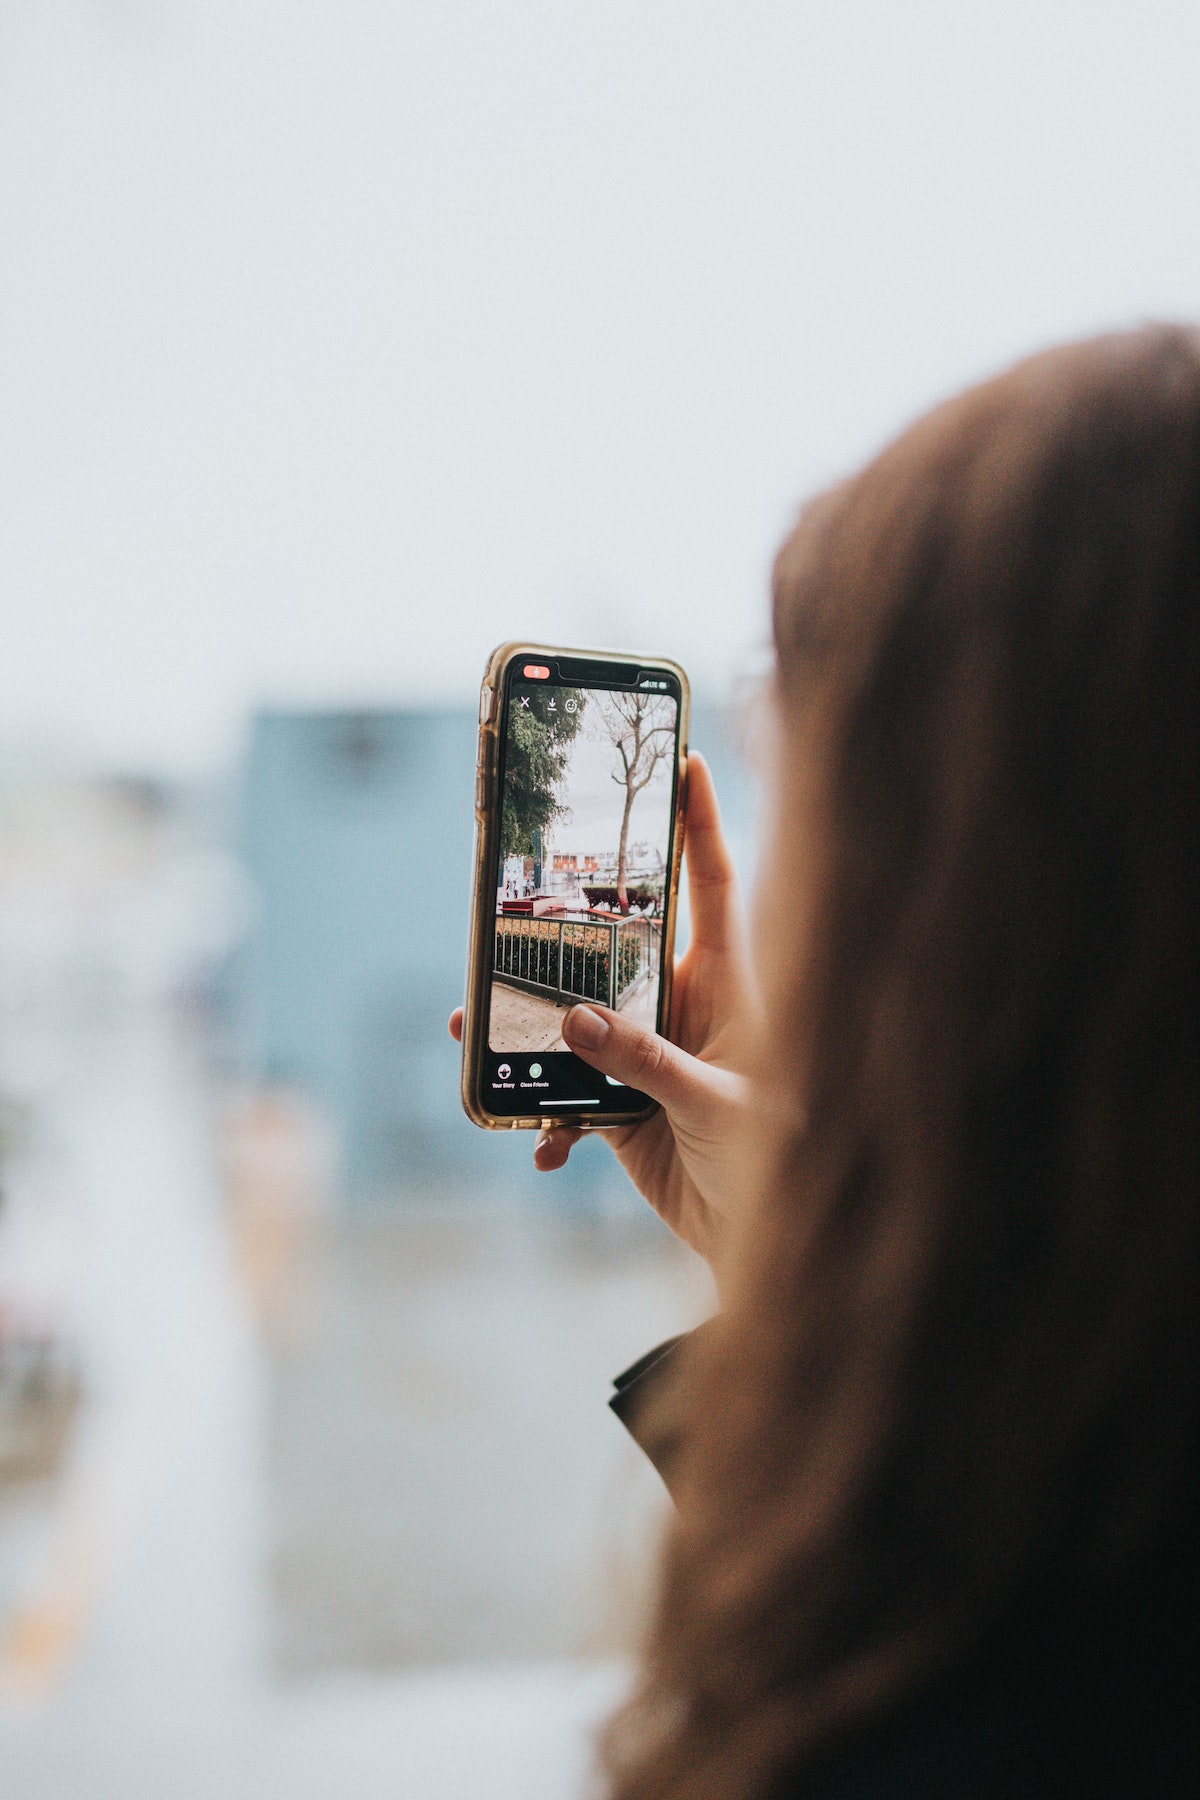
(340, 341)
(593, 790)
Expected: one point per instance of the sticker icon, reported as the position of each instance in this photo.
(570, 706)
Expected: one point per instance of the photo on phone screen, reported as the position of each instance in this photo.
(587, 772)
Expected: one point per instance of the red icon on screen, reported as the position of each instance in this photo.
(535, 672)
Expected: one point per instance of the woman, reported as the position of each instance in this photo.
(935, 1462)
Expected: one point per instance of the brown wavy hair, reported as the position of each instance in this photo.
(952, 1400)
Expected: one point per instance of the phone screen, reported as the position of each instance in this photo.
(588, 761)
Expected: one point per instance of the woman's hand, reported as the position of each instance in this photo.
(687, 1158)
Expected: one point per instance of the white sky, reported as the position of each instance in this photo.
(340, 340)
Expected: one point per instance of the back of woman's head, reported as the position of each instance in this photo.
(955, 1387)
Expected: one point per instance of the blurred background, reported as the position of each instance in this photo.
(338, 343)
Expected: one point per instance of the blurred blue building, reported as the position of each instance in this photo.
(357, 831)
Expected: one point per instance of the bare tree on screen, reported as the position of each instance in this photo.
(641, 730)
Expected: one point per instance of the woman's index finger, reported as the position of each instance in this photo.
(709, 865)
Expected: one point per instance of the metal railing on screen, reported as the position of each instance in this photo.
(567, 960)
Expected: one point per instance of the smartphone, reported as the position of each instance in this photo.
(579, 795)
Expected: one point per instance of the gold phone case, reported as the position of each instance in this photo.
(480, 949)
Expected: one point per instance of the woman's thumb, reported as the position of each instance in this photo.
(633, 1056)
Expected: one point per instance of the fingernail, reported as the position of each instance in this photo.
(584, 1027)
